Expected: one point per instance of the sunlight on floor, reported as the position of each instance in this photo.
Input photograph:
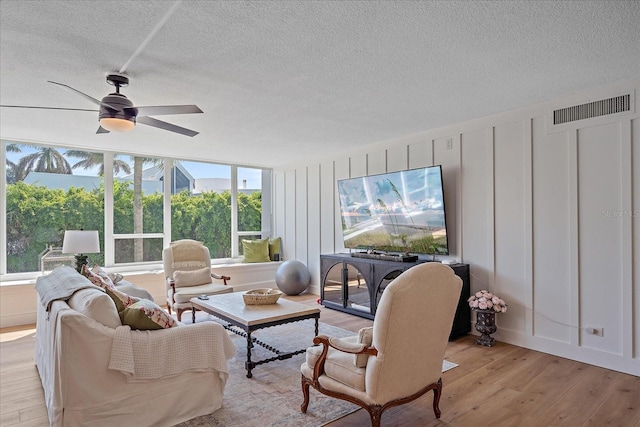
(9, 334)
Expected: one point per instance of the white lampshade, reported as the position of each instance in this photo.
(81, 242)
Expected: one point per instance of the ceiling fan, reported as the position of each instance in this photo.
(117, 113)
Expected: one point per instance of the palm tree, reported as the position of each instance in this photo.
(91, 160)
(13, 148)
(11, 167)
(44, 159)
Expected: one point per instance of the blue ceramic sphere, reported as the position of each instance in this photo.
(292, 277)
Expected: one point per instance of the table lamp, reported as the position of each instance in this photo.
(81, 242)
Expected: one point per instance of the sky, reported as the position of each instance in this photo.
(196, 169)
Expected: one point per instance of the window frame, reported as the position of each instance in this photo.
(110, 237)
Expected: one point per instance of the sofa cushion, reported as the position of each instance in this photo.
(146, 315)
(201, 276)
(97, 305)
(256, 250)
(339, 366)
(133, 290)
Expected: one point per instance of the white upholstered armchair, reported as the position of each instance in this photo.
(187, 270)
(400, 358)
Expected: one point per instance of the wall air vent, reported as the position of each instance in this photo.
(617, 104)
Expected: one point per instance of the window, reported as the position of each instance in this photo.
(203, 213)
(138, 206)
(51, 189)
(48, 190)
(249, 200)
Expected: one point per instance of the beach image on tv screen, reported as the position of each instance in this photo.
(395, 212)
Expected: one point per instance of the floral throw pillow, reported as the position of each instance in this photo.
(103, 274)
(95, 278)
(121, 299)
(146, 315)
(110, 278)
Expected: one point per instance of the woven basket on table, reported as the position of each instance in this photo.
(261, 296)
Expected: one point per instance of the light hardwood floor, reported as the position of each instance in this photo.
(503, 385)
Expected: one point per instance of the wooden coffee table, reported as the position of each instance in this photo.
(244, 319)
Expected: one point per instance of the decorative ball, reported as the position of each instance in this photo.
(292, 277)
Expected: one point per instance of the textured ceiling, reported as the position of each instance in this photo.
(281, 82)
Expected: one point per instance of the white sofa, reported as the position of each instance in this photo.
(97, 372)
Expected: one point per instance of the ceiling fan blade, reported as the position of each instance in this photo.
(159, 110)
(90, 98)
(149, 121)
(48, 108)
(102, 130)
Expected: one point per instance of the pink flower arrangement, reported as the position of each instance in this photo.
(485, 300)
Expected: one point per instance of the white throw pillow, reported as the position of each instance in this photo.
(192, 278)
(97, 305)
(115, 277)
(365, 336)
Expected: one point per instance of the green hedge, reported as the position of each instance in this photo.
(37, 217)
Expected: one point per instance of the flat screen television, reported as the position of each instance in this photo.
(398, 212)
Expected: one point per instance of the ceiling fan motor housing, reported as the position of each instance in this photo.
(117, 106)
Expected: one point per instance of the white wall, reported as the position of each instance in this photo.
(547, 218)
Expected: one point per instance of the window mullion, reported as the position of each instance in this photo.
(234, 211)
(3, 206)
(109, 244)
(166, 206)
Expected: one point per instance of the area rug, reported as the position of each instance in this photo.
(446, 365)
(272, 397)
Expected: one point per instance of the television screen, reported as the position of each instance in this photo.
(395, 212)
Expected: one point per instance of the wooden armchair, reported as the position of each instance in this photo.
(400, 358)
(187, 269)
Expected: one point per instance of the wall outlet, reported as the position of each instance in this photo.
(599, 332)
(449, 144)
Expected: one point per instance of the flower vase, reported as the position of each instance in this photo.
(486, 325)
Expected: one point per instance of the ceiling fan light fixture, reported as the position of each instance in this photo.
(117, 113)
(114, 124)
